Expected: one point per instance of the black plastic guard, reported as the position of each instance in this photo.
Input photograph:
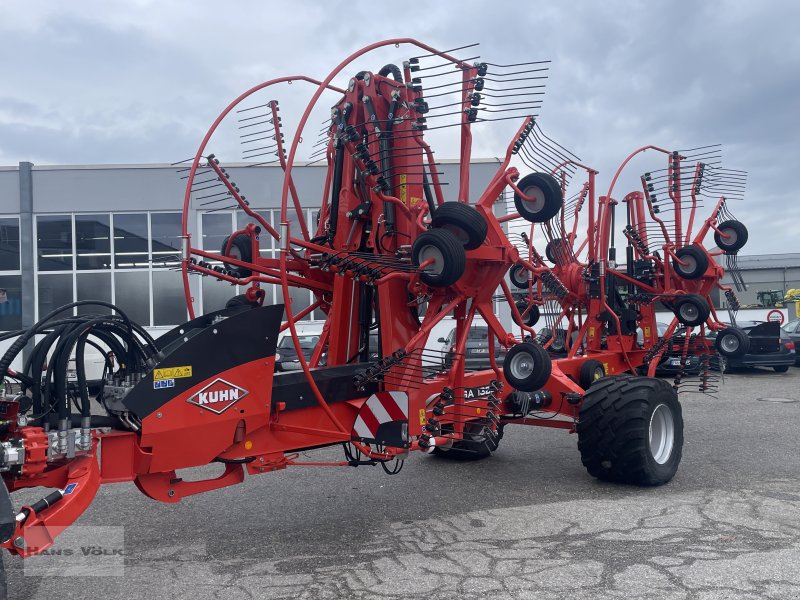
(209, 345)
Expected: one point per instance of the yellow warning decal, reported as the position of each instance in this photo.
(647, 332)
(415, 200)
(591, 332)
(403, 190)
(422, 420)
(172, 372)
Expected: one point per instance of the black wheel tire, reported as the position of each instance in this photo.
(548, 197)
(241, 249)
(519, 276)
(447, 252)
(463, 221)
(531, 318)
(473, 449)
(591, 371)
(732, 342)
(691, 309)
(240, 300)
(559, 345)
(781, 368)
(557, 251)
(738, 236)
(527, 367)
(696, 262)
(615, 430)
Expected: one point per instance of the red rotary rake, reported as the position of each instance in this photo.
(389, 256)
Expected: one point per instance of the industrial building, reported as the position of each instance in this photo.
(777, 273)
(112, 233)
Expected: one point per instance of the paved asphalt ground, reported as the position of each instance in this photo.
(526, 523)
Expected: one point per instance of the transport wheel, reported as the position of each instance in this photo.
(519, 276)
(479, 446)
(781, 368)
(241, 249)
(630, 430)
(735, 236)
(559, 342)
(527, 367)
(691, 309)
(557, 251)
(463, 221)
(732, 342)
(449, 259)
(530, 319)
(591, 371)
(545, 192)
(696, 262)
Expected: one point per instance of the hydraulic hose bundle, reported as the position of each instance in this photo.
(45, 377)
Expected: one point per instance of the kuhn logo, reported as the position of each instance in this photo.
(218, 396)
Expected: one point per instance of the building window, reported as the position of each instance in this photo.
(93, 242)
(215, 228)
(132, 295)
(9, 244)
(54, 290)
(131, 244)
(169, 302)
(54, 242)
(10, 302)
(165, 238)
(94, 286)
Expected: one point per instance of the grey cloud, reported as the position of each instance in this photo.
(140, 83)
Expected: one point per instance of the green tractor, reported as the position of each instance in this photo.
(770, 298)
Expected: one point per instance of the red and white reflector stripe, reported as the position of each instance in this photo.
(380, 408)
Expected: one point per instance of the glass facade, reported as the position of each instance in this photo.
(10, 277)
(216, 226)
(128, 259)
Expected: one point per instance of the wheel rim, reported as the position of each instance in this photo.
(730, 343)
(522, 365)
(690, 266)
(535, 192)
(599, 373)
(732, 237)
(662, 434)
(520, 274)
(432, 252)
(559, 343)
(689, 312)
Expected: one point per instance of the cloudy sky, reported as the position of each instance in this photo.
(139, 81)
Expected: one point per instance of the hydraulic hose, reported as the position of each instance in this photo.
(394, 70)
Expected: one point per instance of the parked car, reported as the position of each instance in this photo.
(476, 351)
(286, 355)
(768, 347)
(792, 331)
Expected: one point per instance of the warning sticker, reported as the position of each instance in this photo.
(422, 419)
(172, 372)
(403, 189)
(161, 384)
